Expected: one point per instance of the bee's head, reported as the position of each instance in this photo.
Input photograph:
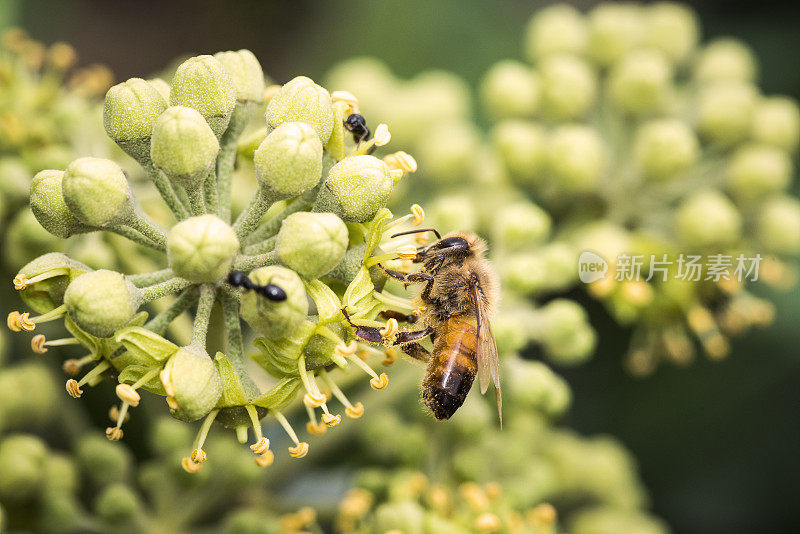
(460, 244)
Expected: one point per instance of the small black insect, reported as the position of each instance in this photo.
(357, 125)
(269, 291)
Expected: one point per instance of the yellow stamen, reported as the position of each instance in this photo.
(73, 366)
(379, 382)
(420, 310)
(189, 466)
(407, 252)
(346, 350)
(355, 411)
(401, 161)
(166, 381)
(114, 433)
(382, 135)
(271, 91)
(266, 459)
(114, 414)
(331, 420)
(198, 456)
(20, 282)
(487, 522)
(37, 344)
(542, 515)
(390, 330)
(299, 450)
(346, 97)
(314, 400)
(172, 403)
(316, 428)
(391, 356)
(126, 393)
(419, 215)
(74, 389)
(260, 447)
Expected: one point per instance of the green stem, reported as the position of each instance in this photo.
(166, 190)
(208, 295)
(250, 217)
(149, 229)
(148, 279)
(197, 200)
(267, 245)
(160, 322)
(226, 160)
(248, 263)
(137, 237)
(230, 306)
(162, 289)
(271, 226)
(210, 193)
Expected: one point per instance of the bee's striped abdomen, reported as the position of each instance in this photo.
(451, 369)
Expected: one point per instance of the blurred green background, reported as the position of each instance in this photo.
(717, 442)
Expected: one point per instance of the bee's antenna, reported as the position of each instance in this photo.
(438, 236)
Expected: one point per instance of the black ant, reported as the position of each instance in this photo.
(357, 125)
(269, 291)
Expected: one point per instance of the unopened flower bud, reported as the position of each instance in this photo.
(117, 505)
(640, 82)
(161, 86)
(708, 218)
(522, 224)
(614, 30)
(247, 75)
(202, 83)
(521, 146)
(778, 225)
(756, 170)
(97, 192)
(555, 30)
(448, 213)
(511, 89)
(725, 111)
(356, 188)
(664, 148)
(101, 302)
(195, 382)
(725, 60)
(22, 460)
(289, 161)
(103, 461)
(183, 146)
(131, 109)
(15, 185)
(569, 87)
(201, 249)
(672, 28)
(447, 150)
(312, 244)
(401, 516)
(777, 121)
(49, 207)
(566, 335)
(301, 100)
(576, 158)
(275, 319)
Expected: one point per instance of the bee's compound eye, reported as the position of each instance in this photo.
(274, 293)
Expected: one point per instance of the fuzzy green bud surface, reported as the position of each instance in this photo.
(247, 75)
(614, 29)
(289, 161)
(640, 82)
(521, 146)
(664, 148)
(275, 319)
(756, 170)
(201, 249)
(130, 110)
(101, 302)
(521, 224)
(725, 111)
(97, 192)
(312, 244)
(50, 208)
(569, 87)
(576, 157)
(708, 218)
(202, 83)
(778, 225)
(302, 100)
(356, 188)
(777, 121)
(183, 146)
(725, 60)
(22, 459)
(555, 30)
(195, 382)
(672, 28)
(511, 89)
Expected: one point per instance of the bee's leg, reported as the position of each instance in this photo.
(398, 316)
(407, 336)
(367, 333)
(417, 351)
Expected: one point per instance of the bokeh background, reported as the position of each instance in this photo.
(717, 442)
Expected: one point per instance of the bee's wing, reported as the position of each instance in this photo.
(488, 361)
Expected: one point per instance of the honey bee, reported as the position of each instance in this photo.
(458, 297)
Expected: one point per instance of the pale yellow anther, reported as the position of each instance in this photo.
(421, 238)
(407, 252)
(379, 382)
(260, 447)
(20, 282)
(72, 366)
(390, 330)
(166, 381)
(37, 344)
(25, 323)
(382, 135)
(189, 466)
(266, 459)
(299, 450)
(198, 456)
(114, 433)
(346, 350)
(271, 91)
(126, 393)
(331, 420)
(316, 428)
(172, 403)
(493, 490)
(74, 389)
(418, 213)
(113, 414)
(402, 161)
(391, 356)
(314, 400)
(542, 515)
(487, 522)
(346, 97)
(700, 319)
(355, 411)
(420, 310)
(13, 321)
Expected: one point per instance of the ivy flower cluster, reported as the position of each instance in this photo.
(308, 243)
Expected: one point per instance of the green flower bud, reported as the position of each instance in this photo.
(117, 504)
(312, 244)
(22, 459)
(534, 385)
(183, 146)
(576, 158)
(614, 30)
(97, 192)
(301, 100)
(59, 513)
(640, 82)
(725, 60)
(275, 319)
(550, 268)
(102, 461)
(15, 180)
(555, 30)
(511, 89)
(405, 516)
(608, 519)
(246, 521)
(193, 381)
(664, 148)
(162, 87)
(602, 237)
(201, 249)
(671, 28)
(725, 111)
(706, 219)
(355, 189)
(168, 436)
(202, 83)
(522, 224)
(54, 271)
(49, 207)
(289, 161)
(131, 109)
(452, 212)
(778, 225)
(756, 170)
(447, 150)
(565, 332)
(101, 302)
(247, 75)
(61, 474)
(522, 149)
(26, 239)
(776, 121)
(569, 87)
